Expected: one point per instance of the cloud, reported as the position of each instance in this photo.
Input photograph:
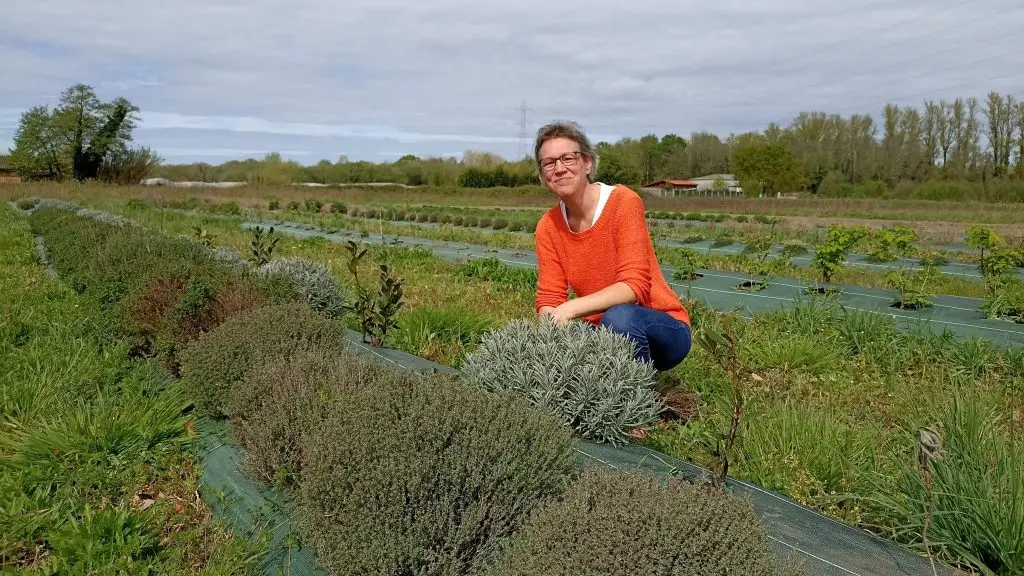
(424, 77)
(229, 152)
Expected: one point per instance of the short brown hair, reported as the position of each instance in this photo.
(572, 131)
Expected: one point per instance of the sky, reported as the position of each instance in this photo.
(376, 79)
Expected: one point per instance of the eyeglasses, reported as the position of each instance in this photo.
(569, 159)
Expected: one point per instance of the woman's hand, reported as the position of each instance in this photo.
(563, 313)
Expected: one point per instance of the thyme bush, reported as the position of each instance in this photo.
(426, 476)
(626, 523)
(280, 401)
(586, 376)
(217, 360)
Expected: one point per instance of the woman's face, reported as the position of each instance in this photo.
(562, 166)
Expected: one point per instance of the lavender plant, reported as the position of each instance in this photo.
(312, 281)
(586, 376)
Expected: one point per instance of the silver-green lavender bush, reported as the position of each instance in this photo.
(227, 256)
(311, 281)
(586, 376)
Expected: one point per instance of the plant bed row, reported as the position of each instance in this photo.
(387, 471)
(99, 453)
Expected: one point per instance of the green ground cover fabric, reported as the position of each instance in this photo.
(958, 315)
(958, 269)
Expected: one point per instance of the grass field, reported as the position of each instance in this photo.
(833, 402)
(99, 457)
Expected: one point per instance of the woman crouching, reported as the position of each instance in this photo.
(596, 242)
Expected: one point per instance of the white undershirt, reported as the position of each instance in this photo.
(606, 191)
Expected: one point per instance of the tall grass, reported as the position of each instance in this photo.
(966, 503)
(96, 452)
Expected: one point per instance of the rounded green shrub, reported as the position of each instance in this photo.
(614, 522)
(426, 476)
(499, 224)
(281, 400)
(311, 281)
(27, 203)
(213, 363)
(587, 377)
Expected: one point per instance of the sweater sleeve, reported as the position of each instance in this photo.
(632, 242)
(552, 287)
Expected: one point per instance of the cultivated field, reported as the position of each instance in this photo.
(876, 378)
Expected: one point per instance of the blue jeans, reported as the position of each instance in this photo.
(659, 338)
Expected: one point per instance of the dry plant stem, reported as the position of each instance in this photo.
(927, 519)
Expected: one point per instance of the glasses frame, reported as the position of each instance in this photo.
(568, 159)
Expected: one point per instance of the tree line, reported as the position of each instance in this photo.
(963, 148)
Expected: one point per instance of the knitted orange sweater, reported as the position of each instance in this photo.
(617, 248)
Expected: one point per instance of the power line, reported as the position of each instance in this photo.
(1015, 7)
(900, 99)
(791, 88)
(876, 31)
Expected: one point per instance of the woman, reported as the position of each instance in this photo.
(596, 242)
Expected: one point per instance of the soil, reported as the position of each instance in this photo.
(823, 291)
(749, 285)
(681, 404)
(902, 306)
(692, 276)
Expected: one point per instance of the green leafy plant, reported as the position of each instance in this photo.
(262, 245)
(761, 265)
(588, 378)
(283, 398)
(912, 288)
(1005, 298)
(723, 240)
(831, 255)
(687, 261)
(792, 248)
(933, 257)
(721, 340)
(375, 309)
(897, 241)
(982, 239)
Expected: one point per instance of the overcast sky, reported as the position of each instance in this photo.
(375, 79)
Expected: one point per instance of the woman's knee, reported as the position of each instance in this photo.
(621, 317)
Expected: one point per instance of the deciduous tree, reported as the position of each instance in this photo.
(73, 139)
(774, 167)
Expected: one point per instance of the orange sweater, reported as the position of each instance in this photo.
(617, 248)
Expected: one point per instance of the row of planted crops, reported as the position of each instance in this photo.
(988, 267)
(385, 470)
(831, 402)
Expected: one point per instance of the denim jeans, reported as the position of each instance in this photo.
(659, 338)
